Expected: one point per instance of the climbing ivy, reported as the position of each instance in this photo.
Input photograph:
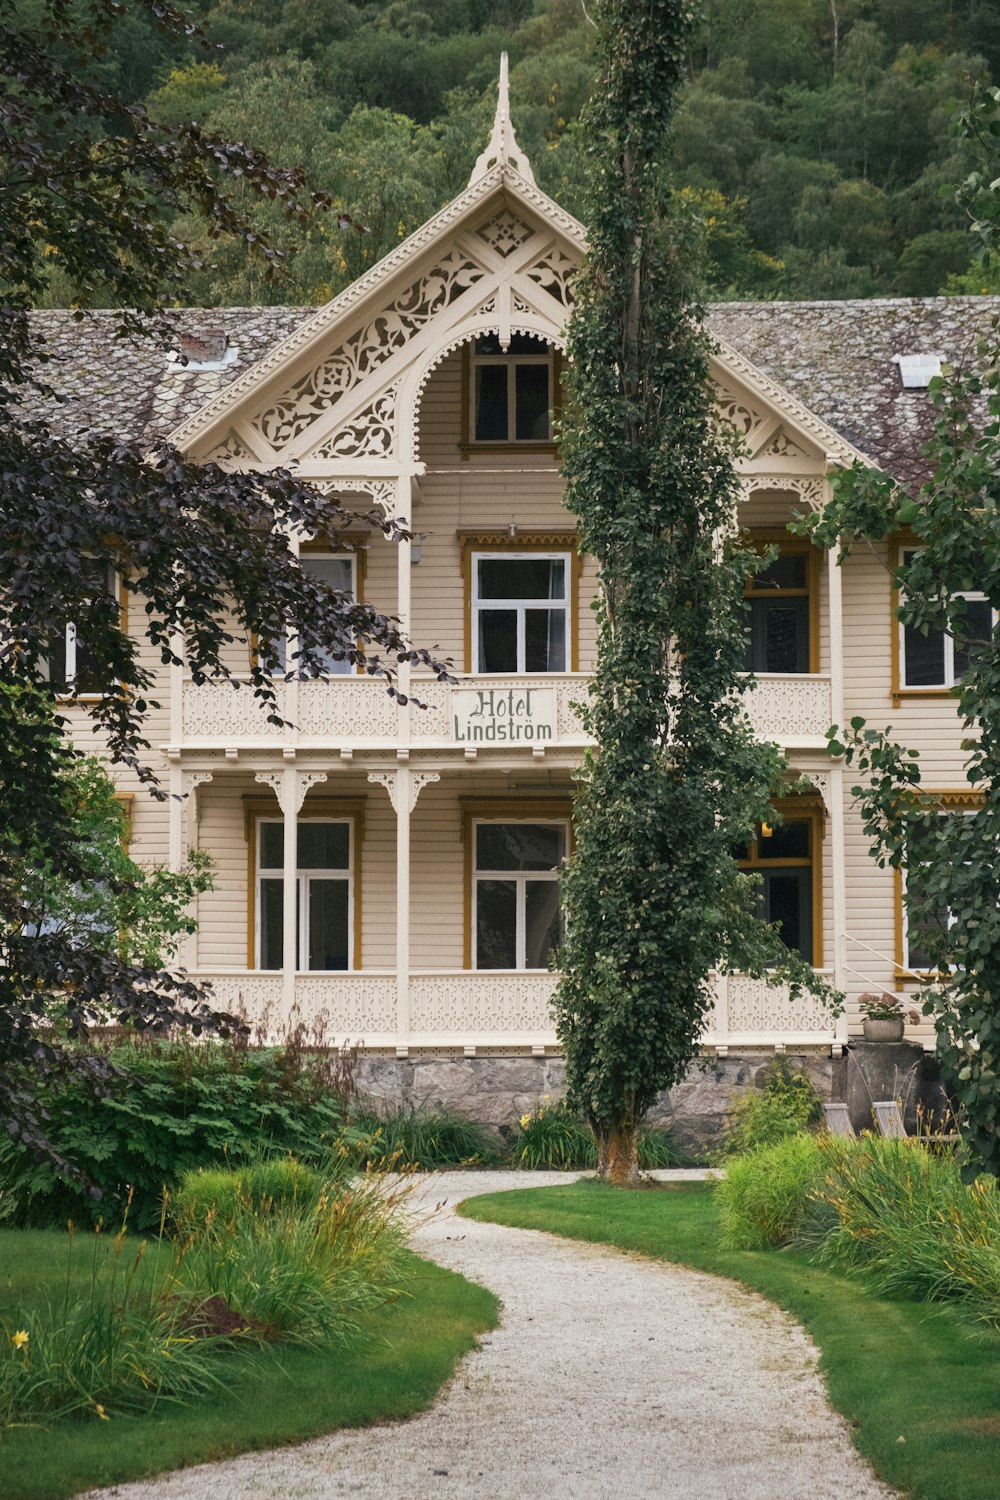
(654, 897)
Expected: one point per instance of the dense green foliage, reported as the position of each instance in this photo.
(893, 1370)
(173, 1107)
(653, 894)
(765, 1195)
(551, 1138)
(812, 140)
(784, 1105)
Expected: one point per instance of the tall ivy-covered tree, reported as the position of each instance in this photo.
(92, 181)
(653, 894)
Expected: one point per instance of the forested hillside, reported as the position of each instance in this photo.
(813, 145)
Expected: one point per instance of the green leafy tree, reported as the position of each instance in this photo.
(653, 894)
(952, 859)
(94, 179)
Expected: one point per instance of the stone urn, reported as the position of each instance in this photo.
(889, 1029)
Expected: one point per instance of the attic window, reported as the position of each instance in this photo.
(916, 371)
(209, 349)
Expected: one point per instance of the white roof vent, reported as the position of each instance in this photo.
(916, 371)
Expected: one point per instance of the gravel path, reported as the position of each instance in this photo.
(611, 1378)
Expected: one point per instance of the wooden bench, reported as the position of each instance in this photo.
(838, 1121)
(889, 1119)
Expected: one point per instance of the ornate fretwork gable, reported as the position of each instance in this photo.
(504, 233)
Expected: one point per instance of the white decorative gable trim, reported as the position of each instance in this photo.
(314, 333)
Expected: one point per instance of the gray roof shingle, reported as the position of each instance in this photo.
(835, 357)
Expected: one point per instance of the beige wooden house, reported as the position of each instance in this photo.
(393, 868)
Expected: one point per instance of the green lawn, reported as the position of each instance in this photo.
(279, 1395)
(895, 1369)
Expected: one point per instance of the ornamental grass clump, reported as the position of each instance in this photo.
(767, 1194)
(551, 1136)
(126, 1346)
(299, 1271)
(279, 1182)
(414, 1139)
(906, 1219)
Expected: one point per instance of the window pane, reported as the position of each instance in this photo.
(541, 922)
(924, 656)
(533, 578)
(496, 924)
(787, 896)
(87, 678)
(785, 841)
(497, 640)
(338, 573)
(272, 846)
(531, 399)
(779, 635)
(271, 922)
(519, 846)
(786, 572)
(491, 403)
(545, 640)
(328, 924)
(57, 663)
(324, 846)
(976, 633)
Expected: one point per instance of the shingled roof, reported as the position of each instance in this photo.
(835, 357)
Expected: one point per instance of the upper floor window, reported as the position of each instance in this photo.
(339, 570)
(937, 660)
(511, 390)
(73, 666)
(780, 630)
(520, 611)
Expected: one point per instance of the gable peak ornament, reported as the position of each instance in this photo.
(502, 148)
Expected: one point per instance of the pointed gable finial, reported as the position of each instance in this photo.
(502, 148)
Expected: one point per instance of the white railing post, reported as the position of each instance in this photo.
(721, 1020)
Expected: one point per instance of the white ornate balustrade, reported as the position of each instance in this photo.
(463, 1008)
(793, 709)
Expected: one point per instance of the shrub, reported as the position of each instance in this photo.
(657, 1150)
(785, 1106)
(766, 1193)
(263, 1184)
(298, 1271)
(174, 1106)
(408, 1138)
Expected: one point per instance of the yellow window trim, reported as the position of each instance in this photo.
(350, 808)
(527, 540)
(806, 808)
(946, 797)
(557, 808)
(761, 537)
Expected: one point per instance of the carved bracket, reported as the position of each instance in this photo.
(290, 786)
(394, 780)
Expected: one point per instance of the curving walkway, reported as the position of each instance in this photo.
(611, 1378)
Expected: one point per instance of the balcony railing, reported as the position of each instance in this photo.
(505, 713)
(463, 1008)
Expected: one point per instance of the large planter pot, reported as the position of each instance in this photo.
(884, 1031)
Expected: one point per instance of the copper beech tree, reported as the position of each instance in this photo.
(93, 181)
(654, 898)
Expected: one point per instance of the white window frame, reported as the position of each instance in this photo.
(521, 606)
(344, 668)
(516, 877)
(510, 362)
(974, 596)
(302, 879)
(70, 639)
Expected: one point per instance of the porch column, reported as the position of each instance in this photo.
(835, 577)
(404, 786)
(290, 787)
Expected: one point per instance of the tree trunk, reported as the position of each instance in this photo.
(617, 1154)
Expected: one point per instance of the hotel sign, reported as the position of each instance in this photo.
(503, 716)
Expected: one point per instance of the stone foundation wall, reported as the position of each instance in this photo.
(496, 1091)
